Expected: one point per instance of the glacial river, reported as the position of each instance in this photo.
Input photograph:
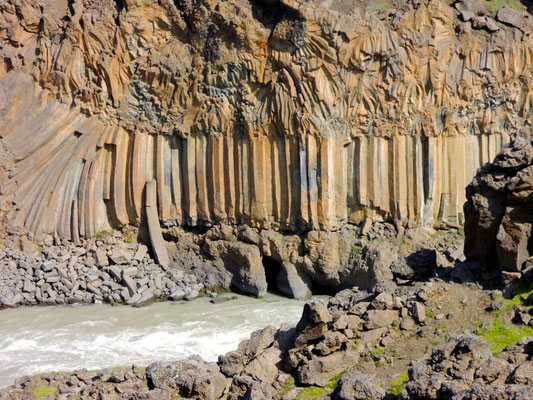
(40, 339)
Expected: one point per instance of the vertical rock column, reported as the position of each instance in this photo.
(156, 237)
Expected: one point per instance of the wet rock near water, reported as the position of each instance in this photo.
(349, 336)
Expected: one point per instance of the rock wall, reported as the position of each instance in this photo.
(499, 217)
(278, 114)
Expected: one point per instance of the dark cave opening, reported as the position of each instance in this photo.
(272, 270)
(267, 12)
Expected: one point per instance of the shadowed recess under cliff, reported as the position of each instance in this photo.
(291, 116)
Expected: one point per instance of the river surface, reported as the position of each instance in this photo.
(41, 339)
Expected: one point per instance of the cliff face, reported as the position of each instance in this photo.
(289, 114)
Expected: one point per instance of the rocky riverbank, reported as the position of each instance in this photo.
(107, 268)
(111, 267)
(415, 342)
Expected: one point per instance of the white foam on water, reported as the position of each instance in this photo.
(41, 339)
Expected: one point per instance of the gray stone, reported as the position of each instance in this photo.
(130, 284)
(380, 318)
(417, 311)
(192, 378)
(115, 272)
(141, 252)
(383, 301)
(293, 283)
(193, 294)
(372, 335)
(258, 391)
(121, 256)
(355, 385)
(511, 17)
(91, 288)
(491, 25)
(179, 294)
(101, 257)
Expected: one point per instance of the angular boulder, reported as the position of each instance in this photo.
(245, 264)
(355, 385)
(498, 217)
(192, 378)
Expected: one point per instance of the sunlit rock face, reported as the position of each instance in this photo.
(278, 114)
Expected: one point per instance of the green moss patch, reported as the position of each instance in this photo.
(311, 392)
(333, 382)
(500, 335)
(493, 6)
(374, 6)
(45, 392)
(398, 385)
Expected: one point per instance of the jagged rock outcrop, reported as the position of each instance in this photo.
(282, 114)
(464, 368)
(499, 214)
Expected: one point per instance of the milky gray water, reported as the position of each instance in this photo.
(40, 339)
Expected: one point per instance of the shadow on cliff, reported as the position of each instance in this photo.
(528, 4)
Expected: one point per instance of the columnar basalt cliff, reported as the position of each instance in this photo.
(278, 114)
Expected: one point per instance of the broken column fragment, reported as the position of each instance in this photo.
(156, 237)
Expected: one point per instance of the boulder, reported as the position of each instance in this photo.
(120, 256)
(511, 17)
(355, 385)
(319, 370)
(374, 266)
(101, 257)
(332, 342)
(418, 311)
(140, 253)
(192, 378)
(258, 391)
(383, 301)
(265, 366)
(464, 368)
(245, 264)
(313, 324)
(293, 283)
(380, 318)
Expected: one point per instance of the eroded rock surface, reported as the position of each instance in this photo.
(464, 368)
(279, 114)
(499, 216)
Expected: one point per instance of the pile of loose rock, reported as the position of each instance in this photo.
(111, 383)
(104, 269)
(476, 15)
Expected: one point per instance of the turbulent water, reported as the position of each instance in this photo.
(35, 340)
